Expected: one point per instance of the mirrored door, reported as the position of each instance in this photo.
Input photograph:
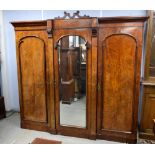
(72, 63)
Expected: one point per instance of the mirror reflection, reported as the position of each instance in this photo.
(72, 81)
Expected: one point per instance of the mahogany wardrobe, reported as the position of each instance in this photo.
(80, 76)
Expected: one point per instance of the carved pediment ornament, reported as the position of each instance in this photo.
(75, 15)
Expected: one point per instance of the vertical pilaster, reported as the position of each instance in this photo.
(50, 83)
(94, 81)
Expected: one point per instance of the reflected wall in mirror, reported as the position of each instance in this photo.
(72, 81)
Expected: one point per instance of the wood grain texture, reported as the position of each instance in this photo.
(94, 88)
(118, 81)
(148, 113)
(51, 85)
(119, 59)
(32, 60)
(112, 75)
(45, 141)
(73, 23)
(32, 63)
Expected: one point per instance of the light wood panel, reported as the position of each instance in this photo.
(119, 59)
(33, 78)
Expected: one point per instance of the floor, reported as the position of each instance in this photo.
(74, 114)
(11, 133)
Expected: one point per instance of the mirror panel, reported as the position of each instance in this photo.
(72, 81)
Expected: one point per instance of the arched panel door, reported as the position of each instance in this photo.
(33, 77)
(119, 55)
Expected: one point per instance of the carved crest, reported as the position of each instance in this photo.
(75, 15)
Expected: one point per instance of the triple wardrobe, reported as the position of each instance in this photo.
(80, 76)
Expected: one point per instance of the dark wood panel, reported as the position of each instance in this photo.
(122, 19)
(74, 23)
(148, 113)
(30, 25)
(39, 126)
(118, 136)
(73, 131)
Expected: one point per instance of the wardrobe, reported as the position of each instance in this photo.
(147, 122)
(80, 76)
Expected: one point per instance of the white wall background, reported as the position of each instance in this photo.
(9, 66)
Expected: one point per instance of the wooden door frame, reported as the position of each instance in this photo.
(32, 32)
(90, 35)
(129, 137)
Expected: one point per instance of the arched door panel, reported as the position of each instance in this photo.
(33, 78)
(118, 82)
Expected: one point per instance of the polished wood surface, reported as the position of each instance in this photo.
(73, 23)
(118, 63)
(34, 75)
(119, 58)
(148, 113)
(114, 47)
(45, 141)
(148, 109)
(32, 63)
(91, 74)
